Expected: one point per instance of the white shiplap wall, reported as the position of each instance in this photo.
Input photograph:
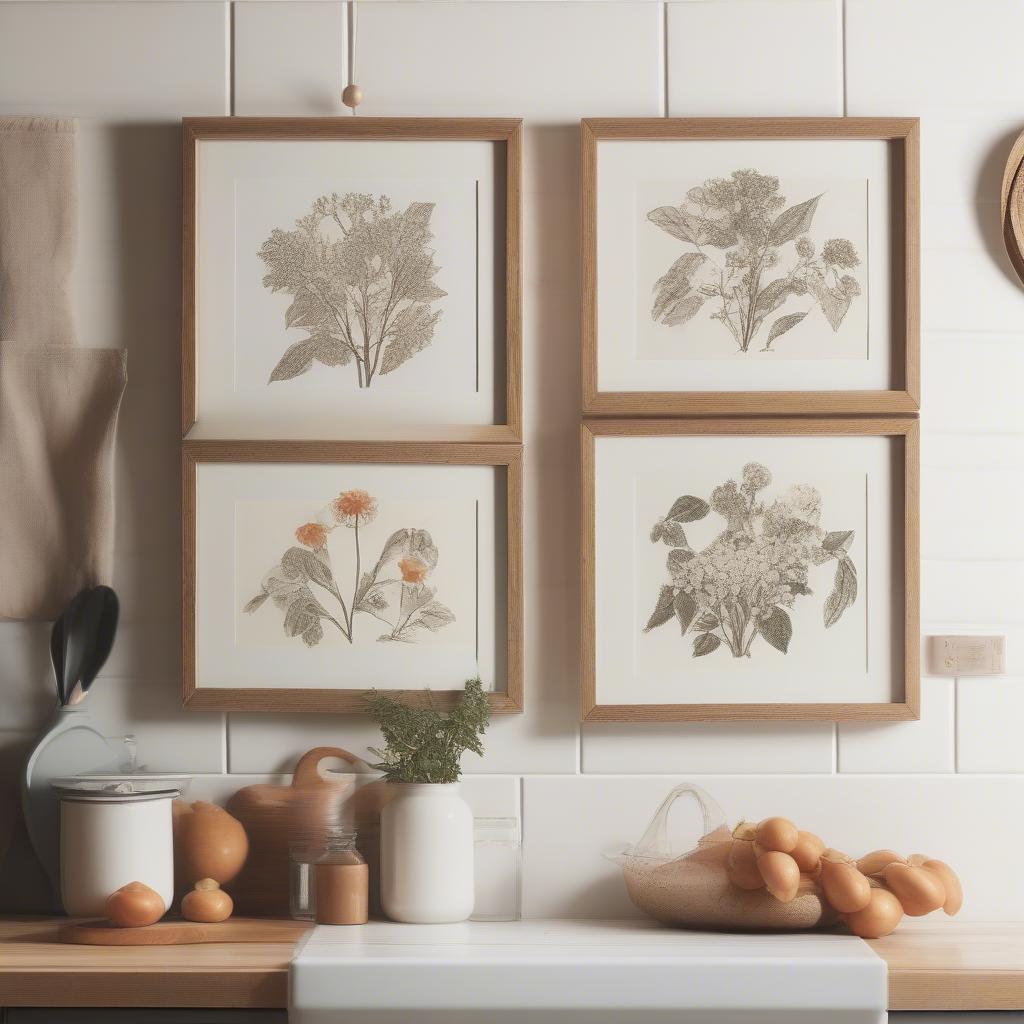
(948, 784)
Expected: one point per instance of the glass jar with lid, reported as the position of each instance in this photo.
(330, 879)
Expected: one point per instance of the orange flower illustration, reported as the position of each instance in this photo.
(313, 535)
(352, 506)
(413, 569)
(406, 606)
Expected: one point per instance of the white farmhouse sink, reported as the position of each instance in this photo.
(570, 972)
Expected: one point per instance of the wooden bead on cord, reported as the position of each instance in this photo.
(352, 96)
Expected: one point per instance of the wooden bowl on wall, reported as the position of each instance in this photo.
(1011, 206)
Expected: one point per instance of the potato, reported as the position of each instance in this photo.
(778, 834)
(880, 917)
(741, 866)
(846, 889)
(807, 852)
(950, 882)
(780, 873)
(919, 891)
(873, 863)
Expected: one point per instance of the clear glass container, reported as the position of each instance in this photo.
(302, 856)
(497, 867)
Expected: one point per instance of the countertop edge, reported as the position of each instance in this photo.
(941, 966)
(239, 988)
(944, 990)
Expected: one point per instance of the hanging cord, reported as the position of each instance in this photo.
(352, 95)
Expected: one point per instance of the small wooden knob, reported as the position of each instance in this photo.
(352, 96)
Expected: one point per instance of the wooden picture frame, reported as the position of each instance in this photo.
(905, 488)
(903, 395)
(313, 453)
(506, 132)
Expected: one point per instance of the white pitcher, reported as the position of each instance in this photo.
(427, 854)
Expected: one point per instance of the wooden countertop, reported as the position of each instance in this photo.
(939, 964)
(37, 970)
(933, 965)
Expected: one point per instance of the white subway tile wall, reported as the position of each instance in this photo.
(988, 729)
(130, 69)
(927, 745)
(706, 748)
(719, 65)
(290, 58)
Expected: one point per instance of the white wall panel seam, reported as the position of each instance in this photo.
(230, 39)
(663, 56)
(951, 778)
(954, 740)
(523, 777)
(842, 52)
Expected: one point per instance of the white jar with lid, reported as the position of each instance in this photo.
(113, 833)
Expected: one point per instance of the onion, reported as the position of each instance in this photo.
(135, 905)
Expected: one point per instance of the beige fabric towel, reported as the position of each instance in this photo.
(58, 402)
(38, 210)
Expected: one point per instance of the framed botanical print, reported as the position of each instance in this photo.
(750, 569)
(750, 266)
(314, 571)
(353, 278)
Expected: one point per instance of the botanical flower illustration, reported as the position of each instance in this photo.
(304, 585)
(362, 278)
(351, 506)
(739, 587)
(313, 535)
(738, 228)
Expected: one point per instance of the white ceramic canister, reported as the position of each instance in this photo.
(427, 854)
(112, 834)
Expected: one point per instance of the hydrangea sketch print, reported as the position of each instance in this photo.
(362, 280)
(738, 266)
(305, 586)
(738, 589)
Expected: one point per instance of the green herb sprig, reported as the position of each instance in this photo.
(422, 744)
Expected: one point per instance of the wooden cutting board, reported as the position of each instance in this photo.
(100, 932)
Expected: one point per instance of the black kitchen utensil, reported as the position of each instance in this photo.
(104, 609)
(57, 656)
(74, 642)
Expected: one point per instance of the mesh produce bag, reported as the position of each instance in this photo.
(691, 888)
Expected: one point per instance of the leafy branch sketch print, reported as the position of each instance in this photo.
(739, 587)
(362, 280)
(304, 583)
(738, 234)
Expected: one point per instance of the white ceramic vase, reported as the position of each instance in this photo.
(427, 854)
